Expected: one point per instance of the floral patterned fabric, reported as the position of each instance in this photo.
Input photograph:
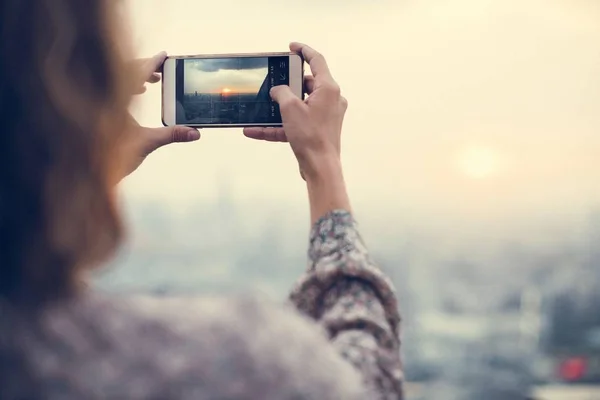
(346, 293)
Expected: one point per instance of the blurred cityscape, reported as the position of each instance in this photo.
(473, 329)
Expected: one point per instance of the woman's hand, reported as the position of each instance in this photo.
(313, 128)
(145, 140)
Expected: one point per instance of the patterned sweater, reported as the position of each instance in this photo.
(343, 344)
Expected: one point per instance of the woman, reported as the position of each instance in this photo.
(66, 140)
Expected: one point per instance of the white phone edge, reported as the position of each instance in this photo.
(169, 101)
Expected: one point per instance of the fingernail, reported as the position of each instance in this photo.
(193, 134)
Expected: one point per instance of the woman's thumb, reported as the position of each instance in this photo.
(286, 99)
(158, 137)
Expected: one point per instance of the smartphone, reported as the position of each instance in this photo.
(227, 90)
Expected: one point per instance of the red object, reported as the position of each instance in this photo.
(573, 369)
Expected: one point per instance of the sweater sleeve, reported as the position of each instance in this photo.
(348, 295)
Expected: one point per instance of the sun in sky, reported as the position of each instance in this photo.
(226, 90)
(478, 162)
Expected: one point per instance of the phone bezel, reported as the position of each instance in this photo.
(168, 95)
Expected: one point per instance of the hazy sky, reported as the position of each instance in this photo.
(461, 111)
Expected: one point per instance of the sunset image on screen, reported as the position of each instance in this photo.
(226, 90)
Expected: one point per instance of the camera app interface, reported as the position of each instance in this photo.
(229, 90)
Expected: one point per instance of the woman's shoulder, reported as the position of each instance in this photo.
(227, 343)
(238, 315)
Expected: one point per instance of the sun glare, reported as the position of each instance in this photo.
(226, 90)
(478, 162)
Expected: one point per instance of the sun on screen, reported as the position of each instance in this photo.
(478, 162)
(226, 90)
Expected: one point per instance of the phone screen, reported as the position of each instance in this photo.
(229, 90)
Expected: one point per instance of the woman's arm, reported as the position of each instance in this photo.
(346, 293)
(342, 290)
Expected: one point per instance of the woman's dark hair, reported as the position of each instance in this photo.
(63, 112)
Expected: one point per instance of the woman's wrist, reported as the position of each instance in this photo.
(325, 167)
(326, 188)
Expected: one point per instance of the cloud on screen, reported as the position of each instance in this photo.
(217, 64)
